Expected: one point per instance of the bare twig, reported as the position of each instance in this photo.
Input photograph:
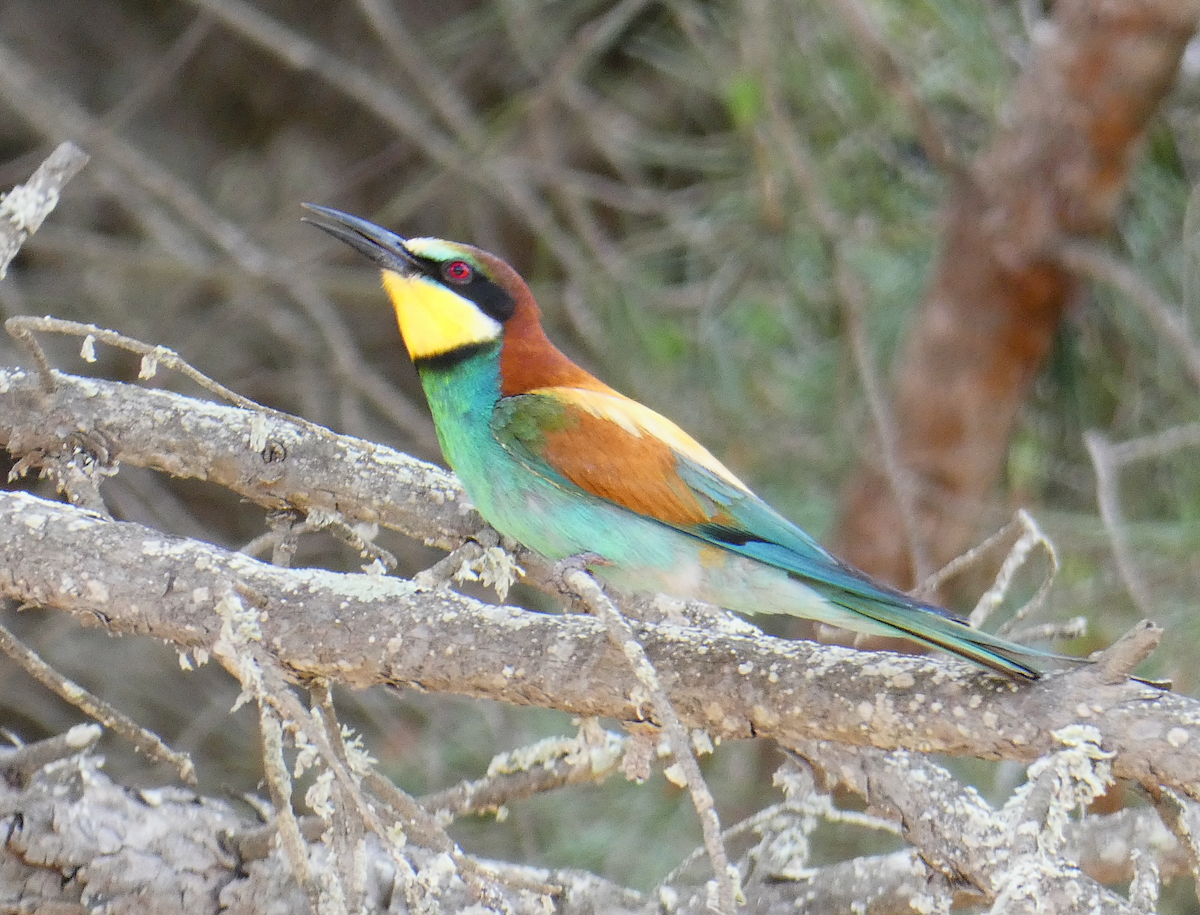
(1117, 662)
(1155, 445)
(279, 783)
(55, 113)
(152, 356)
(24, 760)
(622, 636)
(1182, 816)
(23, 209)
(1031, 536)
(545, 766)
(142, 738)
(1109, 503)
(1099, 263)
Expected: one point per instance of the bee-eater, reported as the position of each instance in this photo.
(562, 463)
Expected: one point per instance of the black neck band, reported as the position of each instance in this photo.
(452, 359)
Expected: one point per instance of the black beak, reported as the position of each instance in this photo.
(384, 248)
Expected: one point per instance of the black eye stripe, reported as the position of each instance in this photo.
(491, 299)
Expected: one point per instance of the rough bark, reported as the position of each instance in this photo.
(1056, 167)
(75, 842)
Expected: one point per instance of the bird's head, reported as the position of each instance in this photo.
(448, 296)
(453, 299)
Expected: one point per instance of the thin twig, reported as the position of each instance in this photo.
(24, 760)
(1098, 263)
(279, 783)
(1182, 816)
(152, 355)
(26, 206)
(142, 738)
(1031, 536)
(1109, 504)
(622, 635)
(1155, 445)
(590, 757)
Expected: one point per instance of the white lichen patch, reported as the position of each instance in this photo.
(239, 627)
(1074, 777)
(674, 774)
(25, 206)
(896, 673)
(149, 366)
(165, 548)
(319, 796)
(537, 754)
(257, 439)
(361, 762)
(495, 568)
(355, 586)
(702, 742)
(438, 873)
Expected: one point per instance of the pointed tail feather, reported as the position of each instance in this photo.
(936, 628)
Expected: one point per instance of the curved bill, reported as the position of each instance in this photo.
(384, 248)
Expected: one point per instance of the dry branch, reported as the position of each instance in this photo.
(171, 851)
(77, 842)
(268, 460)
(367, 629)
(23, 209)
(1013, 856)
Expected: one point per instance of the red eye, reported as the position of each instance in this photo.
(458, 272)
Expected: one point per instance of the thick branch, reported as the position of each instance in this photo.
(73, 838)
(961, 837)
(1057, 167)
(265, 459)
(55, 816)
(365, 629)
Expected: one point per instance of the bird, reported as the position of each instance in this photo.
(567, 466)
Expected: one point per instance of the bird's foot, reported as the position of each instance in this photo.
(580, 562)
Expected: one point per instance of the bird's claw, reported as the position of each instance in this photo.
(580, 562)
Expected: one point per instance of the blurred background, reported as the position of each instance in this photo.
(657, 170)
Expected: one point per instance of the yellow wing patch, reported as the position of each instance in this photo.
(433, 320)
(639, 420)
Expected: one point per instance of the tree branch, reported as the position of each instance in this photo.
(1056, 168)
(368, 629)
